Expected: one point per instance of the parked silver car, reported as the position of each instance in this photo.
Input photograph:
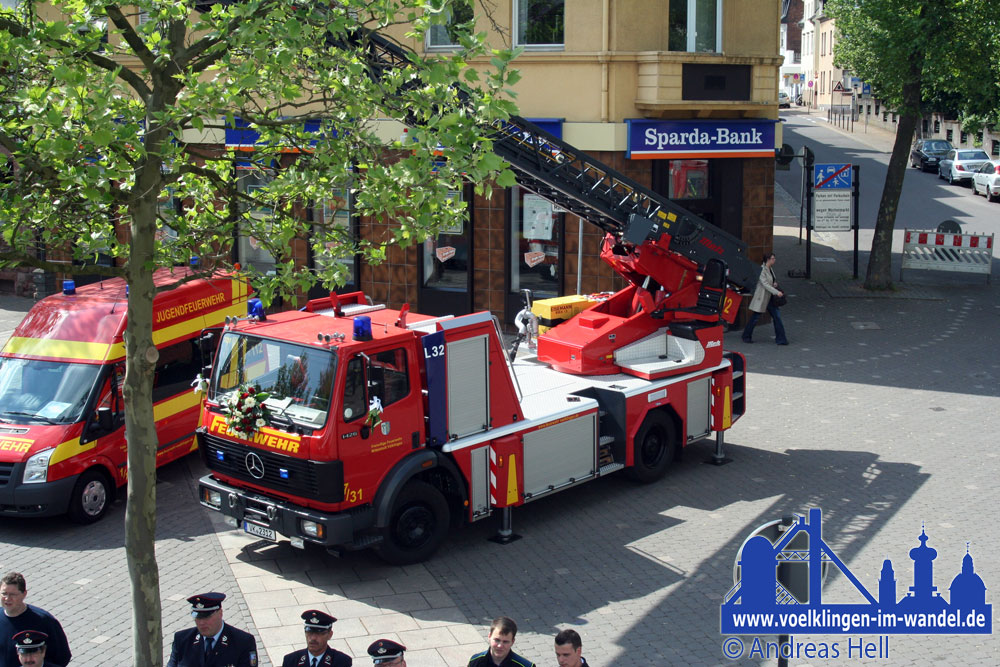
(987, 180)
(959, 164)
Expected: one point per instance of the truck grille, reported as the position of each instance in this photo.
(6, 470)
(317, 480)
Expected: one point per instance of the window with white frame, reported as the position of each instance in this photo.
(695, 25)
(253, 180)
(333, 215)
(540, 23)
(455, 13)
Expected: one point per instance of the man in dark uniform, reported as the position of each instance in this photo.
(317, 652)
(18, 615)
(212, 642)
(387, 653)
(30, 645)
(503, 630)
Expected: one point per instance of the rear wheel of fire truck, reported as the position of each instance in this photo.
(91, 497)
(417, 527)
(654, 448)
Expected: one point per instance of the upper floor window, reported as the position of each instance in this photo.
(540, 22)
(456, 13)
(696, 25)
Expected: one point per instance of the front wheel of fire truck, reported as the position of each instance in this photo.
(654, 448)
(417, 526)
(91, 497)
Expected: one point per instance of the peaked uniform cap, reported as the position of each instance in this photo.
(206, 604)
(29, 641)
(317, 620)
(385, 650)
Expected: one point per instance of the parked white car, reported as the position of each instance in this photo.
(986, 179)
(959, 164)
(784, 101)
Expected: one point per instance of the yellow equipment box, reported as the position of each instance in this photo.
(551, 312)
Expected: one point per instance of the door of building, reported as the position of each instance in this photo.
(444, 271)
(710, 188)
(536, 247)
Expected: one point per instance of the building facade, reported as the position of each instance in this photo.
(602, 75)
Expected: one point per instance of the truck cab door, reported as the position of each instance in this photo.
(109, 414)
(381, 414)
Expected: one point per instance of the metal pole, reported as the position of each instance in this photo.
(579, 256)
(809, 219)
(782, 641)
(857, 223)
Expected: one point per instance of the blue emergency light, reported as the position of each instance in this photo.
(362, 327)
(219, 456)
(283, 473)
(69, 287)
(255, 308)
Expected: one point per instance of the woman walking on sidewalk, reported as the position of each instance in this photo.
(767, 287)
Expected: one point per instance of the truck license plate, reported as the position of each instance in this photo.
(260, 531)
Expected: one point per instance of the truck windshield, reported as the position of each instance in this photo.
(298, 378)
(47, 392)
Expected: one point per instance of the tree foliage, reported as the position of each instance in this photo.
(912, 52)
(109, 110)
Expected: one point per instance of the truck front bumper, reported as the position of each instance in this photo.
(285, 518)
(34, 500)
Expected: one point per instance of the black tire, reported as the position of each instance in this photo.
(951, 177)
(92, 496)
(654, 448)
(989, 194)
(417, 526)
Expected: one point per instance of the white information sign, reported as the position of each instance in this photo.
(832, 210)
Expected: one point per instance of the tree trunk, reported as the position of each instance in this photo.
(140, 429)
(879, 274)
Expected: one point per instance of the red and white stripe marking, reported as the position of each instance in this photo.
(981, 241)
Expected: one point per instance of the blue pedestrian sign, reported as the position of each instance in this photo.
(866, 89)
(832, 176)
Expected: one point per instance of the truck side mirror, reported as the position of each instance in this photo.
(105, 419)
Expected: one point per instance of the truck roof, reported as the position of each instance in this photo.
(305, 327)
(87, 326)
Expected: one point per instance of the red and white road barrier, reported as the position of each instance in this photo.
(936, 251)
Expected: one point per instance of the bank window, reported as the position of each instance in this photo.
(536, 237)
(253, 180)
(540, 22)
(454, 14)
(446, 256)
(688, 179)
(695, 25)
(333, 235)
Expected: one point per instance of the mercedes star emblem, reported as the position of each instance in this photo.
(255, 466)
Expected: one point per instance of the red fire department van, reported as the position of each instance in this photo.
(62, 434)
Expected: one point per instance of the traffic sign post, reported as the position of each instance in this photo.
(833, 199)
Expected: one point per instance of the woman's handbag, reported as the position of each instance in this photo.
(778, 301)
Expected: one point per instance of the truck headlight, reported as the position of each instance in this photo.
(313, 529)
(211, 497)
(36, 470)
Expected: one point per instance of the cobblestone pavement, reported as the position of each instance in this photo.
(879, 411)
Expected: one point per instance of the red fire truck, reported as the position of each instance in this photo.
(385, 427)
